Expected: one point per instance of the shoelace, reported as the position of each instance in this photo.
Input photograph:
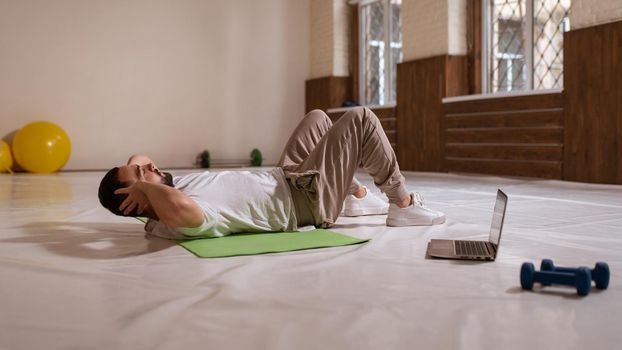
(419, 200)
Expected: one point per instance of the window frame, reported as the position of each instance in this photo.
(388, 55)
(486, 33)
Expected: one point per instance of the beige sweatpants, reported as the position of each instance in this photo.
(320, 160)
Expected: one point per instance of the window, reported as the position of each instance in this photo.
(380, 38)
(523, 44)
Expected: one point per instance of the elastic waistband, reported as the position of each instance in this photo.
(306, 205)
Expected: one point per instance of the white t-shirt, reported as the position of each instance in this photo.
(234, 202)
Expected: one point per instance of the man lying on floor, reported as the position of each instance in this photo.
(313, 181)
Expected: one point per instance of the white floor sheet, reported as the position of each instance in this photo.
(73, 276)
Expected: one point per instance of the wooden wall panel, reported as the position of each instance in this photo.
(524, 152)
(531, 118)
(519, 136)
(512, 104)
(353, 51)
(474, 46)
(543, 169)
(543, 135)
(456, 80)
(593, 104)
(421, 86)
(327, 92)
(419, 92)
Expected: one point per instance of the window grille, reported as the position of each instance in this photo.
(380, 36)
(524, 41)
(550, 22)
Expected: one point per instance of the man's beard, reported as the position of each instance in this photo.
(168, 179)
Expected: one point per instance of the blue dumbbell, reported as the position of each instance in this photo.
(581, 279)
(600, 272)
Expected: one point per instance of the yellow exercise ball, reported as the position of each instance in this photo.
(41, 147)
(6, 160)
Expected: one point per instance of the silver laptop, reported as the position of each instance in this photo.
(474, 250)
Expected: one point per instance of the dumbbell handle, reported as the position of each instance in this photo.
(555, 277)
(568, 269)
(600, 272)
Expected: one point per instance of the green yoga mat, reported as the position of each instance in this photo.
(262, 243)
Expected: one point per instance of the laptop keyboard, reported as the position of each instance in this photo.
(470, 248)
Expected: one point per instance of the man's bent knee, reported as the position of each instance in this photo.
(363, 114)
(318, 116)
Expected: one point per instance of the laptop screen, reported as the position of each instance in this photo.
(497, 217)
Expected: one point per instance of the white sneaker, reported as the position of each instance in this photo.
(417, 214)
(368, 205)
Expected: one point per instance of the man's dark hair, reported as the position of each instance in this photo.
(108, 198)
(168, 179)
(111, 183)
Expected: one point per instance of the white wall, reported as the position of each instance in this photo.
(429, 28)
(587, 13)
(433, 27)
(342, 26)
(329, 37)
(456, 27)
(164, 77)
(321, 38)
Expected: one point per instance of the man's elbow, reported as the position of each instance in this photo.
(184, 214)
